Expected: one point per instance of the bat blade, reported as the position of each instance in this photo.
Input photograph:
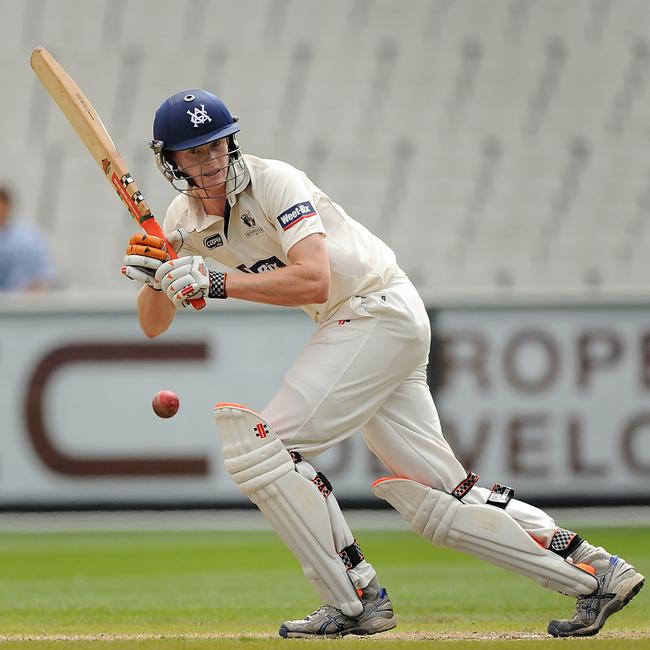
(89, 127)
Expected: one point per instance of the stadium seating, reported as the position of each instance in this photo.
(500, 147)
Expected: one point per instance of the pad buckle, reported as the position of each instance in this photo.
(500, 496)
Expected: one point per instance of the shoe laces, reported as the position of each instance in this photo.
(587, 607)
(323, 609)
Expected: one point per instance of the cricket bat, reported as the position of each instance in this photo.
(89, 127)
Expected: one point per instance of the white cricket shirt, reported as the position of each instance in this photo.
(272, 212)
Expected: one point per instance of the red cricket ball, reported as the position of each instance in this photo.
(165, 403)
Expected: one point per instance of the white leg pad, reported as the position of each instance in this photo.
(484, 531)
(263, 470)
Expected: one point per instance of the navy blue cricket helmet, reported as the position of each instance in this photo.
(191, 118)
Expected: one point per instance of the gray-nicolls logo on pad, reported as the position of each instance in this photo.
(199, 116)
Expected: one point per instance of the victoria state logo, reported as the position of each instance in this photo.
(213, 241)
(199, 116)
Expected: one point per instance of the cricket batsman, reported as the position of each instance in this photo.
(287, 243)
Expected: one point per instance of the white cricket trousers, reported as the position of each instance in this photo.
(365, 369)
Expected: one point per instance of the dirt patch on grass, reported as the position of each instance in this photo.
(500, 636)
(393, 636)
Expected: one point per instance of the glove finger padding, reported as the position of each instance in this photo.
(147, 251)
(148, 246)
(144, 262)
(145, 239)
(144, 254)
(184, 289)
(176, 239)
(142, 268)
(183, 278)
(135, 273)
(173, 270)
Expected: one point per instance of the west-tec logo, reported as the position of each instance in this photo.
(213, 241)
(295, 214)
(199, 116)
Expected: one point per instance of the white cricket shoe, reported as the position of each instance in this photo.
(618, 583)
(329, 621)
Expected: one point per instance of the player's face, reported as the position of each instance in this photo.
(206, 165)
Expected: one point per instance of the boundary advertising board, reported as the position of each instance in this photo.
(554, 402)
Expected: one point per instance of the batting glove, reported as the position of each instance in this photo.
(145, 254)
(183, 279)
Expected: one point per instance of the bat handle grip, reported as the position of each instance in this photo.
(153, 228)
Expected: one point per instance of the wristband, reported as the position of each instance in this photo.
(217, 287)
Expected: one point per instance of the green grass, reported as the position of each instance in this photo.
(225, 583)
(347, 643)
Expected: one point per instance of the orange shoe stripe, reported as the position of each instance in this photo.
(587, 567)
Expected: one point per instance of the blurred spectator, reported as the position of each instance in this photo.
(25, 262)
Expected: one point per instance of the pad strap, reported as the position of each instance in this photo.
(352, 555)
(295, 457)
(500, 496)
(320, 480)
(323, 485)
(465, 486)
(564, 542)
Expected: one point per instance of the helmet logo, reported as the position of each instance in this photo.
(199, 116)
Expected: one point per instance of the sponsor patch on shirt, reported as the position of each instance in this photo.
(262, 266)
(296, 213)
(213, 241)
